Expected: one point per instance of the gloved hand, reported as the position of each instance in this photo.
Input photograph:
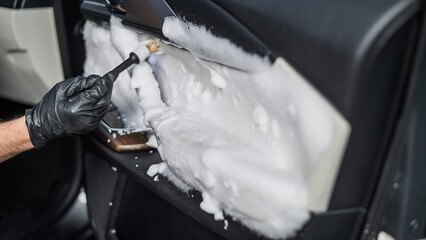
(74, 106)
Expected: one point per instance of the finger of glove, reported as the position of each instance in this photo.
(92, 99)
(101, 90)
(101, 106)
(82, 121)
(80, 84)
(91, 119)
(83, 124)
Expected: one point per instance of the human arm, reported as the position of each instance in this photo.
(14, 138)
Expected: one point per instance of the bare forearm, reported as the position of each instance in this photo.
(14, 138)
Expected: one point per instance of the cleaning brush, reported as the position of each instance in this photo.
(135, 56)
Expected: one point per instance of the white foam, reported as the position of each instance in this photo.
(102, 56)
(203, 44)
(246, 140)
(204, 140)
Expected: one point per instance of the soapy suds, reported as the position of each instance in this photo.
(199, 41)
(247, 141)
(101, 57)
(152, 142)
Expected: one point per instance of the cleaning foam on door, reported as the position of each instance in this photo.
(101, 57)
(250, 140)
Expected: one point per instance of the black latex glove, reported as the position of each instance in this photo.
(74, 106)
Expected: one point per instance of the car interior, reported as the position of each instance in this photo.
(367, 58)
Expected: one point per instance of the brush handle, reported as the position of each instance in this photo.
(133, 59)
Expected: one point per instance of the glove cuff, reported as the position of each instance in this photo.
(34, 129)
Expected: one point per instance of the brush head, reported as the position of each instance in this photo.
(144, 50)
(153, 46)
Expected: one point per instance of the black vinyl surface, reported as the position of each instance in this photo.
(99, 183)
(355, 53)
(144, 215)
(399, 205)
(358, 54)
